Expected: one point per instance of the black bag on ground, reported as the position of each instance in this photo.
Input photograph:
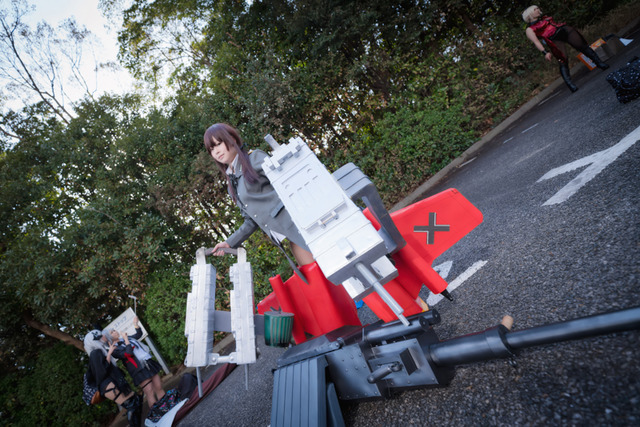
(626, 81)
(188, 383)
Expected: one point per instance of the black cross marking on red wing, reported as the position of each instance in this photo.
(431, 228)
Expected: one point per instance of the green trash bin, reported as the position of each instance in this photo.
(278, 327)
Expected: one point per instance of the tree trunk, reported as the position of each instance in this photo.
(53, 333)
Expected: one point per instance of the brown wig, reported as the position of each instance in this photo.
(231, 138)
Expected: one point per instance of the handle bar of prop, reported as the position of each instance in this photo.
(230, 251)
(202, 253)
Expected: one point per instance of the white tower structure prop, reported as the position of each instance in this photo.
(202, 319)
(342, 240)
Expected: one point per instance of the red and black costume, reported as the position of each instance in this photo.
(546, 28)
(551, 32)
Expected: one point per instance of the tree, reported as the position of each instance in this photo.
(94, 210)
(46, 64)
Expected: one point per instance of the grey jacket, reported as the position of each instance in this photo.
(261, 207)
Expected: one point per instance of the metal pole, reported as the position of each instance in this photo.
(135, 303)
(157, 354)
(386, 296)
(199, 382)
(246, 377)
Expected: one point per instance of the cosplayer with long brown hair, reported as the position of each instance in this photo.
(253, 193)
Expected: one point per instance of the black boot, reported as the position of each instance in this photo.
(133, 405)
(592, 55)
(566, 75)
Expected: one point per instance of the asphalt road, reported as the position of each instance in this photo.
(538, 262)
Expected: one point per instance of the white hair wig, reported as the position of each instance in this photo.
(93, 342)
(526, 15)
(107, 334)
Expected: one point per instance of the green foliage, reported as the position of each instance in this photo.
(410, 143)
(266, 261)
(48, 391)
(165, 313)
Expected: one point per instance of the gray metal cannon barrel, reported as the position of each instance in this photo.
(597, 324)
(499, 342)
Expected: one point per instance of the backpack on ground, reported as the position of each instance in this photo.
(626, 81)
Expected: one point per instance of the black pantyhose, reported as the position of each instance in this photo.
(569, 35)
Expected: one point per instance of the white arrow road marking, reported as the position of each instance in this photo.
(443, 269)
(596, 162)
(434, 299)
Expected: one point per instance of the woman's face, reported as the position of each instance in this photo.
(221, 153)
(536, 13)
(115, 336)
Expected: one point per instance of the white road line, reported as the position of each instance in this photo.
(434, 299)
(444, 269)
(596, 163)
(552, 96)
(468, 161)
(507, 140)
(529, 128)
(528, 156)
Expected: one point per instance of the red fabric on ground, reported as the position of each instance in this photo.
(214, 381)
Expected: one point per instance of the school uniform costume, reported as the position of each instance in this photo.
(261, 208)
(136, 359)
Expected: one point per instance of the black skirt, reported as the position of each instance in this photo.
(148, 369)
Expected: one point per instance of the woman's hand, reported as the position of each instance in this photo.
(548, 56)
(217, 249)
(125, 337)
(135, 322)
(112, 347)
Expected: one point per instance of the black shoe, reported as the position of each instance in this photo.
(566, 76)
(592, 55)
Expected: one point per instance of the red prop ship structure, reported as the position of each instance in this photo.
(422, 231)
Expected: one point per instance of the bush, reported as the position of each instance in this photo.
(165, 313)
(412, 141)
(49, 392)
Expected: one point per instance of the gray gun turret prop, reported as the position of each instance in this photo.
(371, 362)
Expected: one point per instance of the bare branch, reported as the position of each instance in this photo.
(46, 63)
(25, 76)
(53, 333)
